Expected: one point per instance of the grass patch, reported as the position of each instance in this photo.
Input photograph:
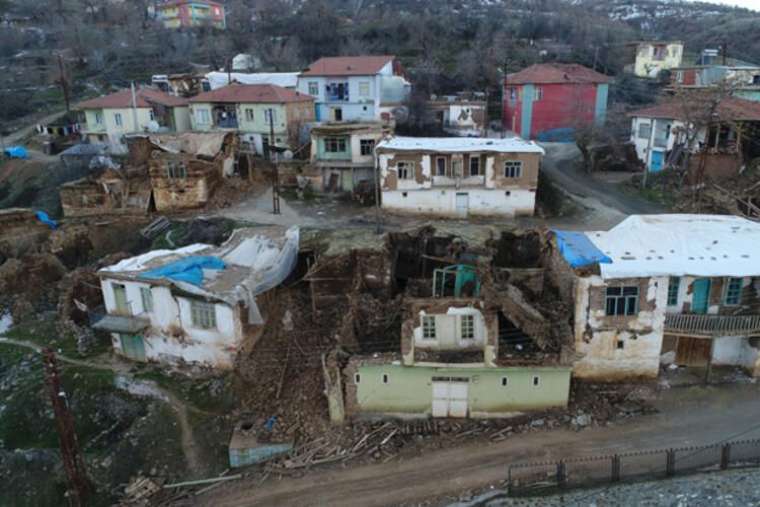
(656, 191)
(197, 393)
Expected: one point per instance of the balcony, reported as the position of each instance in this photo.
(119, 323)
(710, 326)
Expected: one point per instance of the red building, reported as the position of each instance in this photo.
(191, 13)
(549, 101)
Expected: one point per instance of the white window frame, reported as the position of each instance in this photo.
(118, 120)
(648, 126)
(364, 89)
(429, 331)
(203, 314)
(335, 144)
(146, 296)
(203, 116)
(98, 118)
(536, 381)
(249, 114)
(405, 169)
(151, 115)
(363, 143)
(268, 112)
(467, 327)
(313, 88)
(539, 94)
(513, 169)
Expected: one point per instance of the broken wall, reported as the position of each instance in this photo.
(613, 348)
(201, 178)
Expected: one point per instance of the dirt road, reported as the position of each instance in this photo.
(561, 165)
(688, 416)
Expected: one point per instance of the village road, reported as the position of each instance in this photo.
(687, 416)
(562, 165)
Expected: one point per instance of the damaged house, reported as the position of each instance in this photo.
(685, 286)
(162, 173)
(647, 59)
(464, 114)
(475, 339)
(344, 154)
(716, 136)
(459, 176)
(198, 304)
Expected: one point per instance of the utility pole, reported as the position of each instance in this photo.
(134, 108)
(596, 56)
(64, 82)
(276, 169)
(73, 462)
(378, 227)
(229, 71)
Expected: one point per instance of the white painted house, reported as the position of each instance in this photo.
(458, 177)
(196, 304)
(108, 119)
(685, 286)
(354, 88)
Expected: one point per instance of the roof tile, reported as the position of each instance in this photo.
(347, 65)
(258, 93)
(554, 73)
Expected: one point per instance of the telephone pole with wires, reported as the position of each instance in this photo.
(73, 461)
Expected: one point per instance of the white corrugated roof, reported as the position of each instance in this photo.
(284, 79)
(680, 245)
(460, 144)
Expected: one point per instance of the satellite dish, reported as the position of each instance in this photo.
(153, 126)
(287, 155)
(401, 113)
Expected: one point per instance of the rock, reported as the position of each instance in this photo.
(581, 420)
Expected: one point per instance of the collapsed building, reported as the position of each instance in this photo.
(457, 326)
(198, 304)
(681, 288)
(162, 173)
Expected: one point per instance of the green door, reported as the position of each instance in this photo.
(700, 298)
(133, 346)
(120, 296)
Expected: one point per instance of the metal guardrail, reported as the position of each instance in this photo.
(546, 477)
(712, 325)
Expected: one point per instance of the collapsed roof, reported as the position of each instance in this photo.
(251, 261)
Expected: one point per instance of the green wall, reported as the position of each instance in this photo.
(325, 155)
(409, 389)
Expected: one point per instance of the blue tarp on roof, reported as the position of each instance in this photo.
(45, 219)
(578, 250)
(16, 152)
(190, 269)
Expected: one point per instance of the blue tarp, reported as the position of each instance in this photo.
(578, 250)
(16, 152)
(45, 219)
(190, 269)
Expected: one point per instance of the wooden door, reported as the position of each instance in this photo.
(692, 351)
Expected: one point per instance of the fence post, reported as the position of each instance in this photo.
(561, 474)
(670, 464)
(615, 475)
(509, 481)
(725, 456)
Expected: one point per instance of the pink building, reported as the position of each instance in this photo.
(191, 13)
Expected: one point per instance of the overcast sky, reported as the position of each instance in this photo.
(750, 4)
